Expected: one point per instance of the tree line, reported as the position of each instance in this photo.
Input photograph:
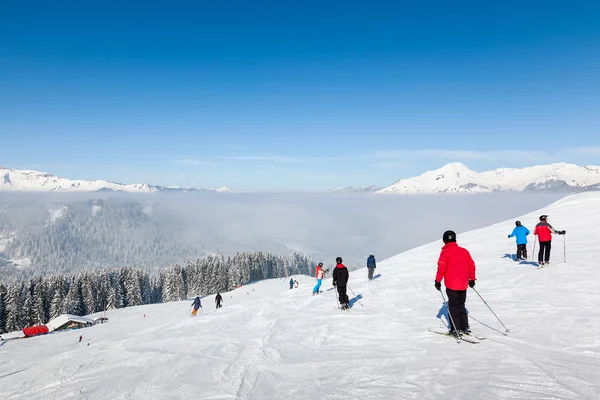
(39, 299)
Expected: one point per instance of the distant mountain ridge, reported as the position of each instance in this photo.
(355, 189)
(457, 178)
(36, 181)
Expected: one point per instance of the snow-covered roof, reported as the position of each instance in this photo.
(65, 318)
(12, 335)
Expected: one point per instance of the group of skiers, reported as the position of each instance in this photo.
(340, 277)
(543, 230)
(197, 304)
(457, 268)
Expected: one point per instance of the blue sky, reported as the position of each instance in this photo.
(272, 95)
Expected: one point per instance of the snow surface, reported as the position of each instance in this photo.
(457, 178)
(269, 342)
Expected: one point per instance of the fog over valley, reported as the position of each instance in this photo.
(68, 232)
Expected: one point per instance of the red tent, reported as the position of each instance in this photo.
(35, 330)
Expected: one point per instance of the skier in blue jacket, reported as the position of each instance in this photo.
(521, 233)
(196, 304)
(371, 265)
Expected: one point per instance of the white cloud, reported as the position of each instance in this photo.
(456, 155)
(192, 161)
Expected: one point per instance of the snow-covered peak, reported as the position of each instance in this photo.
(37, 181)
(222, 189)
(457, 178)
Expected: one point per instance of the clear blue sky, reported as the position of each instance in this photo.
(280, 95)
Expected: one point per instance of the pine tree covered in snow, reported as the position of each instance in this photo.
(2, 308)
(58, 289)
(14, 308)
(133, 291)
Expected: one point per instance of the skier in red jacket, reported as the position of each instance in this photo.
(544, 232)
(457, 268)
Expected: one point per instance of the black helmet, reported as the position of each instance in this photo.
(449, 236)
(518, 223)
(543, 217)
(338, 260)
(320, 264)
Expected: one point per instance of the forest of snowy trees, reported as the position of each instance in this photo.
(39, 299)
(65, 237)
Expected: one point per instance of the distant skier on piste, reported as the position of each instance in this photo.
(340, 280)
(291, 283)
(319, 274)
(543, 230)
(457, 268)
(521, 233)
(371, 265)
(196, 304)
(218, 300)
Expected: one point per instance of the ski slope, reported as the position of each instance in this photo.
(270, 342)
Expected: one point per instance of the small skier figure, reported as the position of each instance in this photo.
(521, 233)
(196, 305)
(371, 265)
(543, 230)
(296, 284)
(340, 280)
(218, 300)
(320, 274)
(291, 283)
(80, 338)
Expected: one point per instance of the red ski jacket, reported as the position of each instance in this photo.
(455, 266)
(544, 231)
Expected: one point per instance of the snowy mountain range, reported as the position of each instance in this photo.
(457, 178)
(36, 181)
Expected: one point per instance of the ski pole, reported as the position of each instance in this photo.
(357, 300)
(564, 248)
(485, 302)
(486, 325)
(533, 252)
(451, 319)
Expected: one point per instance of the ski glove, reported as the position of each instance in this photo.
(509, 236)
(334, 283)
(438, 285)
(471, 283)
(563, 232)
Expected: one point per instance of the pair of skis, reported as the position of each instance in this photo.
(466, 338)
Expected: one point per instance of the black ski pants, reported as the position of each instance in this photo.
(521, 251)
(544, 254)
(456, 308)
(342, 295)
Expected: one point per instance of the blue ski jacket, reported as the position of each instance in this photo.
(521, 233)
(196, 303)
(371, 262)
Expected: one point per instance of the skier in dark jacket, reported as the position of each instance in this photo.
(371, 265)
(291, 283)
(218, 300)
(521, 233)
(340, 280)
(196, 305)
